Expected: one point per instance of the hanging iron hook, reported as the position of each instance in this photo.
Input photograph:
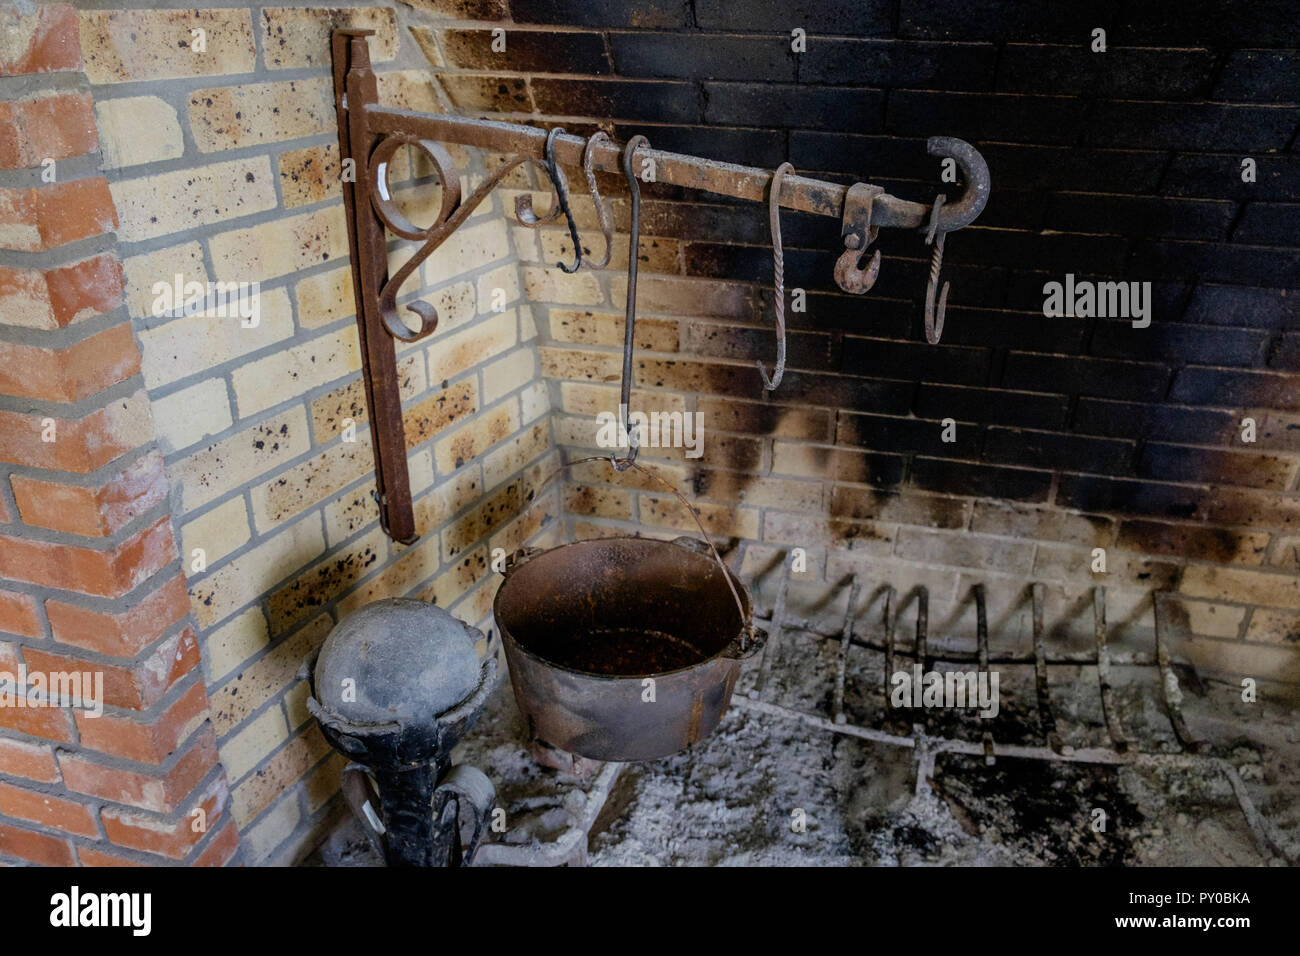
(560, 184)
(935, 236)
(629, 319)
(562, 193)
(602, 214)
(524, 203)
(778, 275)
(858, 234)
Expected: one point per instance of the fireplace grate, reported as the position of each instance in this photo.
(928, 747)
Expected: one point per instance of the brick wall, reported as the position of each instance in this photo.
(222, 165)
(92, 581)
(205, 513)
(1072, 433)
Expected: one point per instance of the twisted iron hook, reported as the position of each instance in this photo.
(933, 318)
(629, 320)
(606, 225)
(560, 185)
(524, 202)
(562, 194)
(778, 274)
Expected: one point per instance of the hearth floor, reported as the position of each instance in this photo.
(738, 798)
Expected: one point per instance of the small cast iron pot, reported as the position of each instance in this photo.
(584, 625)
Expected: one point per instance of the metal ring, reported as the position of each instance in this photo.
(382, 200)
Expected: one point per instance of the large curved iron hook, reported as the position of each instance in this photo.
(602, 214)
(629, 319)
(975, 172)
(778, 275)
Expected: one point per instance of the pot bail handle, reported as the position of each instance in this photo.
(704, 546)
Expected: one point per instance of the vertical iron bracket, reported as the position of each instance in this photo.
(355, 87)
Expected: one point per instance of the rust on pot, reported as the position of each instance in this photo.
(622, 648)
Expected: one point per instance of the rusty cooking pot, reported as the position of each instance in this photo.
(585, 624)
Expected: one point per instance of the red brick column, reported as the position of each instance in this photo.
(90, 577)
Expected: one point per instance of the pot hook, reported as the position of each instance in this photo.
(629, 321)
(935, 236)
(858, 234)
(606, 226)
(560, 184)
(778, 275)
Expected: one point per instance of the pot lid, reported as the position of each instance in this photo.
(397, 660)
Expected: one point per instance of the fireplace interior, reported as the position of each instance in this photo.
(884, 414)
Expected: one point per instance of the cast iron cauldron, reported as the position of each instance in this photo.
(584, 624)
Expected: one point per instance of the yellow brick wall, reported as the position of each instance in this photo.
(224, 167)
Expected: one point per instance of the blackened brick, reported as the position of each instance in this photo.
(706, 57)
(750, 104)
(1124, 73)
(1100, 416)
(804, 268)
(898, 63)
(1285, 352)
(877, 157)
(1266, 23)
(977, 116)
(1218, 176)
(984, 481)
(1130, 496)
(1189, 126)
(1216, 466)
(1260, 76)
(974, 285)
(647, 14)
(1025, 331)
(690, 220)
(916, 360)
(527, 51)
(871, 315)
(1085, 376)
(1092, 170)
(752, 147)
(1269, 224)
(992, 406)
(1040, 449)
(1239, 306)
(661, 102)
(906, 435)
(844, 391)
(814, 351)
(1178, 342)
(1014, 209)
(1265, 266)
(1190, 541)
(1235, 388)
(1063, 252)
(842, 17)
(1139, 216)
(997, 20)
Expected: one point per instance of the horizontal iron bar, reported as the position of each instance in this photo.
(676, 169)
